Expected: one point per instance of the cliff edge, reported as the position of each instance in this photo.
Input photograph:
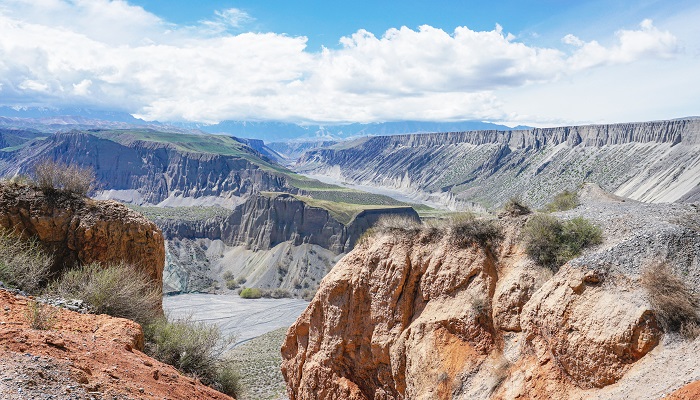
(412, 315)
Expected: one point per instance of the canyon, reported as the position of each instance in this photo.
(648, 161)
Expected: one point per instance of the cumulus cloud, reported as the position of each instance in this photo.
(109, 53)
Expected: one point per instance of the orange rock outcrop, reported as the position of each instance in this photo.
(411, 315)
(98, 356)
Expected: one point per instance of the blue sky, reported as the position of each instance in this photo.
(540, 62)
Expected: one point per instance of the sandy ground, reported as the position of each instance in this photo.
(244, 318)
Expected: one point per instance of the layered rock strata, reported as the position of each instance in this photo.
(649, 161)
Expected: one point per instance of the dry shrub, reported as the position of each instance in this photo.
(120, 290)
(675, 305)
(466, 229)
(516, 207)
(23, 263)
(194, 348)
(40, 316)
(51, 176)
(397, 223)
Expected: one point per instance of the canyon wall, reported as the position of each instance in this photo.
(650, 161)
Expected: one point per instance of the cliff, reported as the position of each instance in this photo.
(264, 221)
(650, 161)
(83, 356)
(410, 315)
(145, 168)
(76, 229)
(273, 240)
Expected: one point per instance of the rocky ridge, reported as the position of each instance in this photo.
(648, 161)
(411, 316)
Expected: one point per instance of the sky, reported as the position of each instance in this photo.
(540, 63)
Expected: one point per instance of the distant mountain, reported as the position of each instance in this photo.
(280, 131)
(268, 131)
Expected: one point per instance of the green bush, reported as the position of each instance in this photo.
(552, 243)
(194, 348)
(23, 263)
(277, 293)
(231, 284)
(119, 290)
(563, 201)
(675, 305)
(251, 293)
(51, 176)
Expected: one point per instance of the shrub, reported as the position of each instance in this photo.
(551, 242)
(563, 201)
(120, 290)
(277, 293)
(231, 284)
(516, 207)
(40, 316)
(23, 263)
(466, 229)
(194, 348)
(241, 280)
(395, 223)
(250, 293)
(51, 176)
(674, 304)
(228, 275)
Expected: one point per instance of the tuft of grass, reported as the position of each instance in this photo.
(120, 290)
(552, 243)
(194, 348)
(563, 201)
(675, 305)
(23, 263)
(397, 223)
(51, 176)
(40, 316)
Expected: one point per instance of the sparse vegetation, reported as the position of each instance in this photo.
(563, 201)
(277, 293)
(515, 207)
(23, 262)
(51, 176)
(675, 305)
(551, 242)
(194, 348)
(396, 223)
(40, 316)
(250, 293)
(466, 229)
(120, 290)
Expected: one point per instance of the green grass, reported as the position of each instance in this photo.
(194, 213)
(340, 211)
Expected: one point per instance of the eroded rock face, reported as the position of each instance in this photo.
(392, 320)
(409, 317)
(80, 230)
(593, 330)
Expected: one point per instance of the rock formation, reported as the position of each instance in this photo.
(76, 229)
(410, 315)
(650, 161)
(83, 356)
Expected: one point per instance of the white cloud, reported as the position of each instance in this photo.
(113, 54)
